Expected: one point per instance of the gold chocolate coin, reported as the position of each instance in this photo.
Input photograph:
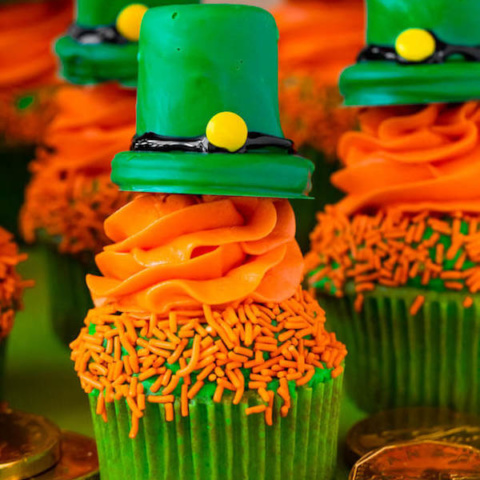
(419, 461)
(29, 445)
(412, 424)
(79, 459)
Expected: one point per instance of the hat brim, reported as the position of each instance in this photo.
(86, 64)
(255, 174)
(379, 83)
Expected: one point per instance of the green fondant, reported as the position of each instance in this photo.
(94, 12)
(254, 174)
(194, 62)
(453, 22)
(90, 64)
(388, 83)
(95, 63)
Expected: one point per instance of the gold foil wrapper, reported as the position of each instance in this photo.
(29, 445)
(412, 424)
(424, 460)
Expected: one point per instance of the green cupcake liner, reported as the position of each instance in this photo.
(70, 299)
(14, 176)
(218, 441)
(323, 193)
(3, 356)
(398, 360)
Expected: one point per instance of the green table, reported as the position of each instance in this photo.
(40, 377)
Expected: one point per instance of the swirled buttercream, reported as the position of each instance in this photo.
(71, 193)
(412, 158)
(174, 251)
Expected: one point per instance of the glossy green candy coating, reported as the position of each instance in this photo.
(86, 64)
(252, 175)
(452, 21)
(388, 83)
(196, 61)
(96, 12)
(92, 64)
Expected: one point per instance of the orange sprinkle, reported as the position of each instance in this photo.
(218, 354)
(417, 305)
(255, 409)
(468, 302)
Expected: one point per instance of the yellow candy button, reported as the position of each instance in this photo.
(415, 44)
(227, 130)
(129, 21)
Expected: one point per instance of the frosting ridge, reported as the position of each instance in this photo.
(184, 251)
(412, 158)
(71, 193)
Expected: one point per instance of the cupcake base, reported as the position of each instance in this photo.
(397, 359)
(218, 441)
(69, 296)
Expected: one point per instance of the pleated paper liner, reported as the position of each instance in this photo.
(397, 359)
(218, 441)
(69, 297)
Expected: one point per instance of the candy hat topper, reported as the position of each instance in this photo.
(207, 107)
(417, 52)
(102, 44)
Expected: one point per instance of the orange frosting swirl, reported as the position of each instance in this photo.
(176, 251)
(412, 158)
(321, 37)
(318, 39)
(27, 31)
(71, 194)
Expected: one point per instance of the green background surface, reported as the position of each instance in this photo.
(40, 377)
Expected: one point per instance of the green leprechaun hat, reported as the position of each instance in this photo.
(207, 107)
(423, 51)
(102, 44)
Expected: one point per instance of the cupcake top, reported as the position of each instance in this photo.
(28, 65)
(71, 193)
(201, 297)
(179, 251)
(317, 40)
(11, 285)
(411, 211)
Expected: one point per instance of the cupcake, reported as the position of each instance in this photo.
(70, 194)
(395, 263)
(11, 287)
(27, 82)
(203, 356)
(318, 38)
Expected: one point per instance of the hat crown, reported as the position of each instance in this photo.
(198, 60)
(453, 22)
(94, 12)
